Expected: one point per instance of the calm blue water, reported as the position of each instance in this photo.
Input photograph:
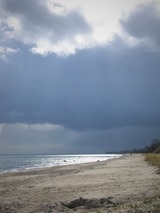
(10, 163)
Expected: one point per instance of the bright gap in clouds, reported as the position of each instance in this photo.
(62, 27)
(103, 16)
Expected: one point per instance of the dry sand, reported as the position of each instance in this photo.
(127, 184)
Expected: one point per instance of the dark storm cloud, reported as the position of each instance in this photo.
(98, 88)
(144, 23)
(116, 139)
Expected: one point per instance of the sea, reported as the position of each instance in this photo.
(13, 163)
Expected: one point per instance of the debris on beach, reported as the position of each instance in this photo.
(90, 203)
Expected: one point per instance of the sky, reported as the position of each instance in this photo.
(79, 76)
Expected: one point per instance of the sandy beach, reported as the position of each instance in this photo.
(126, 184)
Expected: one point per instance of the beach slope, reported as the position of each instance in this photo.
(125, 184)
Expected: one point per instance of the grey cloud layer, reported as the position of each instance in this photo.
(94, 89)
(17, 138)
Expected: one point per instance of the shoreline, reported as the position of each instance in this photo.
(103, 185)
(110, 157)
(45, 169)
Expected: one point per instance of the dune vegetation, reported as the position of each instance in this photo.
(153, 159)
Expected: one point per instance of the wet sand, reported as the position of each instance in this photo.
(119, 185)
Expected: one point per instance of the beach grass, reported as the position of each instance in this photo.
(153, 159)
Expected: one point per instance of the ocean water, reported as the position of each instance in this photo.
(11, 163)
